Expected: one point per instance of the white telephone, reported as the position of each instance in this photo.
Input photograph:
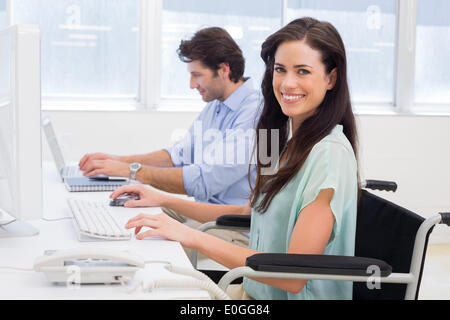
(88, 265)
(98, 265)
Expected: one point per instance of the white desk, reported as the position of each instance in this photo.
(58, 235)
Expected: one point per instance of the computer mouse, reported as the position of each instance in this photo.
(124, 197)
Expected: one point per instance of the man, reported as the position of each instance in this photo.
(194, 165)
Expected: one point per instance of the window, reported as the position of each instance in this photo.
(98, 54)
(89, 48)
(3, 16)
(432, 64)
(367, 28)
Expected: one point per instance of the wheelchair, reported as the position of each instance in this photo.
(390, 250)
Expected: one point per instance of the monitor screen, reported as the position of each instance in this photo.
(6, 160)
(20, 132)
(6, 117)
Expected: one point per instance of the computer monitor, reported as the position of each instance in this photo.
(20, 131)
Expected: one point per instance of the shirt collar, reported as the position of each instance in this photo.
(235, 99)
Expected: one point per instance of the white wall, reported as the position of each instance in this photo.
(414, 151)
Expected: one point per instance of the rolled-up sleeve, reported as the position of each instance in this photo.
(179, 152)
(182, 151)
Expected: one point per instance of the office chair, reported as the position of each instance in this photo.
(390, 249)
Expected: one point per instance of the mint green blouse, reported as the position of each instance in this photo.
(330, 164)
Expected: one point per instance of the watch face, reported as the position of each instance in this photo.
(135, 166)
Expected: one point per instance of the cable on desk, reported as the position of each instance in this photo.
(45, 219)
(9, 222)
(15, 268)
(56, 219)
(200, 281)
(157, 261)
(210, 286)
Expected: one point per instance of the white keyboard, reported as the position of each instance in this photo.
(93, 219)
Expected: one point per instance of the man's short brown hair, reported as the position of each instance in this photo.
(213, 46)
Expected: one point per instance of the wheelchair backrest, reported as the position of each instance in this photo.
(384, 231)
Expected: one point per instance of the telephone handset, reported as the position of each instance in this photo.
(88, 265)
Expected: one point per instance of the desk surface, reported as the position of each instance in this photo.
(59, 235)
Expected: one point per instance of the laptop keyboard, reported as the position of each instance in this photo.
(72, 171)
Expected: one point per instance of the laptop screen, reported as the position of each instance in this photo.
(53, 143)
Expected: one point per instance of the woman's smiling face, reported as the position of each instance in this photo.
(300, 81)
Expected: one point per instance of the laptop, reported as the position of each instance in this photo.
(65, 170)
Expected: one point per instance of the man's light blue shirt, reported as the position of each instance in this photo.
(216, 151)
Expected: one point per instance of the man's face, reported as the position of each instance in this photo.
(208, 82)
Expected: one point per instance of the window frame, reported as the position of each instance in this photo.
(406, 49)
(149, 97)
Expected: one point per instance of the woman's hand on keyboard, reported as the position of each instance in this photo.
(147, 196)
(161, 225)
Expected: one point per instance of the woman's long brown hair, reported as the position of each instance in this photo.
(335, 108)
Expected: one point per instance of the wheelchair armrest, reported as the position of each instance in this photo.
(317, 264)
(445, 216)
(234, 220)
(381, 185)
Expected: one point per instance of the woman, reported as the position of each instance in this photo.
(309, 204)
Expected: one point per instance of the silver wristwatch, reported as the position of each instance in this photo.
(134, 168)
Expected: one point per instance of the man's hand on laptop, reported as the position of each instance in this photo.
(89, 157)
(104, 164)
